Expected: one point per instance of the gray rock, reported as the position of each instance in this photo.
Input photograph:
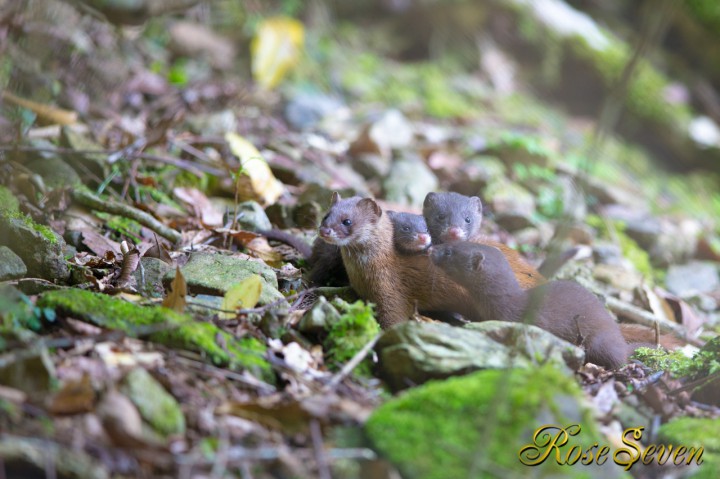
(608, 253)
(32, 373)
(413, 353)
(478, 172)
(38, 246)
(391, 131)
(305, 110)
(618, 276)
(695, 277)
(409, 181)
(319, 317)
(667, 240)
(532, 342)
(514, 206)
(149, 275)
(11, 266)
(371, 165)
(215, 273)
(252, 217)
(55, 172)
(217, 123)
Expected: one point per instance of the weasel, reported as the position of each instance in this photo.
(397, 283)
(410, 236)
(454, 217)
(563, 308)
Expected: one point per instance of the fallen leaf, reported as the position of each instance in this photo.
(272, 412)
(201, 206)
(243, 295)
(99, 244)
(255, 181)
(175, 300)
(130, 263)
(75, 396)
(275, 49)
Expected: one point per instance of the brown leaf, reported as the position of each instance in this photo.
(76, 396)
(178, 291)
(46, 114)
(130, 262)
(272, 412)
(200, 205)
(99, 244)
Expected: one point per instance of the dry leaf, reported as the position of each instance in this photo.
(76, 396)
(275, 49)
(46, 114)
(243, 295)
(178, 291)
(130, 262)
(201, 206)
(255, 180)
(272, 412)
(99, 244)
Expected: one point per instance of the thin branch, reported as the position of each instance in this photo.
(353, 363)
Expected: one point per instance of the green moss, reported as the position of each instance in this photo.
(45, 231)
(354, 329)
(695, 432)
(446, 428)
(124, 226)
(161, 325)
(8, 202)
(703, 363)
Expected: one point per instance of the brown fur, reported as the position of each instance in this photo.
(563, 308)
(454, 217)
(395, 283)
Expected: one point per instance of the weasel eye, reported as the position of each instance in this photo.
(406, 228)
(347, 222)
(440, 217)
(467, 220)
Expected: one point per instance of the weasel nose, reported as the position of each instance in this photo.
(454, 233)
(324, 231)
(423, 238)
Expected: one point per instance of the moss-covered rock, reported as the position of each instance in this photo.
(178, 330)
(349, 331)
(478, 425)
(37, 245)
(214, 273)
(696, 432)
(8, 202)
(11, 266)
(156, 406)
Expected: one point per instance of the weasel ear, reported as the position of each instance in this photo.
(335, 198)
(476, 261)
(369, 205)
(478, 204)
(430, 198)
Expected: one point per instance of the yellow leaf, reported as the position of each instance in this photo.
(243, 295)
(275, 49)
(255, 181)
(175, 300)
(46, 114)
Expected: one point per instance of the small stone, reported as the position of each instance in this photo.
(693, 278)
(409, 181)
(11, 266)
(319, 318)
(306, 109)
(413, 353)
(217, 123)
(618, 276)
(215, 273)
(513, 205)
(392, 131)
(149, 274)
(252, 217)
(477, 173)
(38, 246)
(32, 373)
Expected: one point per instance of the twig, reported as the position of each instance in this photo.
(246, 380)
(88, 199)
(352, 364)
(640, 316)
(319, 449)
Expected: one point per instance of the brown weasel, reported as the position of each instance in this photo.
(396, 283)
(410, 236)
(454, 217)
(563, 308)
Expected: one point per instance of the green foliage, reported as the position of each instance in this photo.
(703, 363)
(706, 12)
(8, 202)
(177, 74)
(355, 328)
(548, 193)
